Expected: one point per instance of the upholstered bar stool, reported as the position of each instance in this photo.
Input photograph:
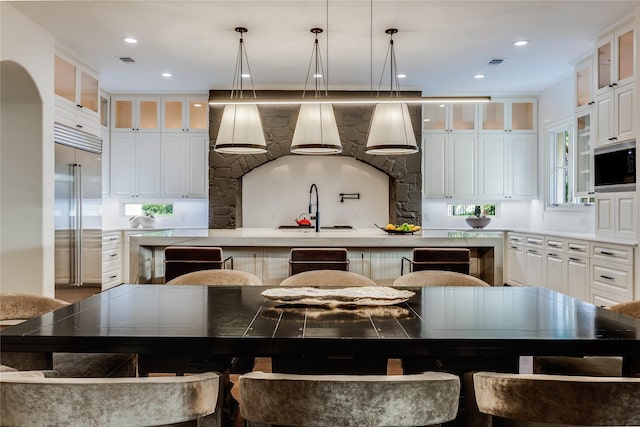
(327, 278)
(559, 399)
(20, 307)
(307, 259)
(217, 277)
(348, 400)
(179, 260)
(437, 278)
(449, 259)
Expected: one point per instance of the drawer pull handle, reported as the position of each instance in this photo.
(607, 277)
(114, 255)
(607, 253)
(574, 259)
(553, 245)
(553, 255)
(533, 251)
(576, 248)
(514, 247)
(113, 277)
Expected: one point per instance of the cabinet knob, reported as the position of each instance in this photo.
(591, 103)
(613, 85)
(79, 126)
(79, 106)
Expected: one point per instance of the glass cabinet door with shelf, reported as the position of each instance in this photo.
(65, 79)
(584, 83)
(89, 91)
(583, 156)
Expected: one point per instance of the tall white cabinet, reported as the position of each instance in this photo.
(159, 146)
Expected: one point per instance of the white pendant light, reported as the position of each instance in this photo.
(316, 130)
(391, 131)
(241, 127)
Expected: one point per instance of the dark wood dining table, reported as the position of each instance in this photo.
(198, 328)
(225, 321)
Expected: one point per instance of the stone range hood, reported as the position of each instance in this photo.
(279, 121)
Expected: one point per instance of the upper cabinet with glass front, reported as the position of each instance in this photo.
(185, 113)
(135, 113)
(584, 83)
(615, 58)
(512, 115)
(77, 95)
(450, 117)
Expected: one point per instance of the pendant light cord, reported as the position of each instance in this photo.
(237, 89)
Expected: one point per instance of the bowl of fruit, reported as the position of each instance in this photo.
(405, 228)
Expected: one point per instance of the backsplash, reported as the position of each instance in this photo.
(226, 171)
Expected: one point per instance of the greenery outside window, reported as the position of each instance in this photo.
(466, 210)
(150, 209)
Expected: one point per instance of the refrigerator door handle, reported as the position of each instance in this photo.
(76, 250)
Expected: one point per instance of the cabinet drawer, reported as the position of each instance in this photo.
(609, 252)
(555, 244)
(515, 239)
(578, 247)
(535, 241)
(605, 299)
(111, 255)
(613, 278)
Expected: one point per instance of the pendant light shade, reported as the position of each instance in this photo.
(316, 131)
(391, 132)
(241, 127)
(241, 131)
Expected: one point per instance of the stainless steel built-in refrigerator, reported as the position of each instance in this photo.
(78, 207)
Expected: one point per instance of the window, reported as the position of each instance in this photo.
(471, 210)
(568, 176)
(130, 209)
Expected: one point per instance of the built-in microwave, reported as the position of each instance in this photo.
(615, 167)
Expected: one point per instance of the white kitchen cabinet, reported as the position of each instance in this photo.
(135, 164)
(450, 166)
(534, 260)
(275, 265)
(615, 115)
(555, 272)
(450, 118)
(111, 259)
(135, 114)
(185, 113)
(184, 165)
(510, 115)
(515, 259)
(584, 83)
(616, 58)
(386, 263)
(360, 261)
(578, 274)
(616, 215)
(583, 156)
(76, 91)
(613, 279)
(507, 166)
(246, 259)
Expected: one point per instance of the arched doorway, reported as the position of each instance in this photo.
(21, 182)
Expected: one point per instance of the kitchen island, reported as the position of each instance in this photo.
(265, 251)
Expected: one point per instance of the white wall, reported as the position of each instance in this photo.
(27, 191)
(555, 104)
(277, 192)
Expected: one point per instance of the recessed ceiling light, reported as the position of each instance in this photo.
(479, 76)
(130, 40)
(521, 42)
(245, 75)
(166, 74)
(401, 76)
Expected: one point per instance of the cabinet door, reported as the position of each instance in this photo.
(174, 164)
(435, 168)
(64, 84)
(493, 116)
(625, 117)
(555, 272)
(534, 272)
(522, 115)
(521, 166)
(625, 215)
(583, 155)
(123, 164)
(605, 118)
(605, 214)
(147, 164)
(246, 259)
(147, 113)
(578, 277)
(462, 161)
(197, 110)
(197, 165)
(275, 265)
(492, 166)
(88, 91)
(624, 40)
(604, 62)
(173, 114)
(584, 83)
(515, 265)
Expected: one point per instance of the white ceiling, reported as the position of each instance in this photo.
(440, 44)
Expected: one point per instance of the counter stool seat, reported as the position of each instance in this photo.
(327, 278)
(217, 277)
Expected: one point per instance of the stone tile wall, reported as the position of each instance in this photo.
(226, 171)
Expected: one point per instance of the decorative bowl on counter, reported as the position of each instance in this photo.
(144, 221)
(478, 222)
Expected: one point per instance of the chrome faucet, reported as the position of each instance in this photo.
(317, 204)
